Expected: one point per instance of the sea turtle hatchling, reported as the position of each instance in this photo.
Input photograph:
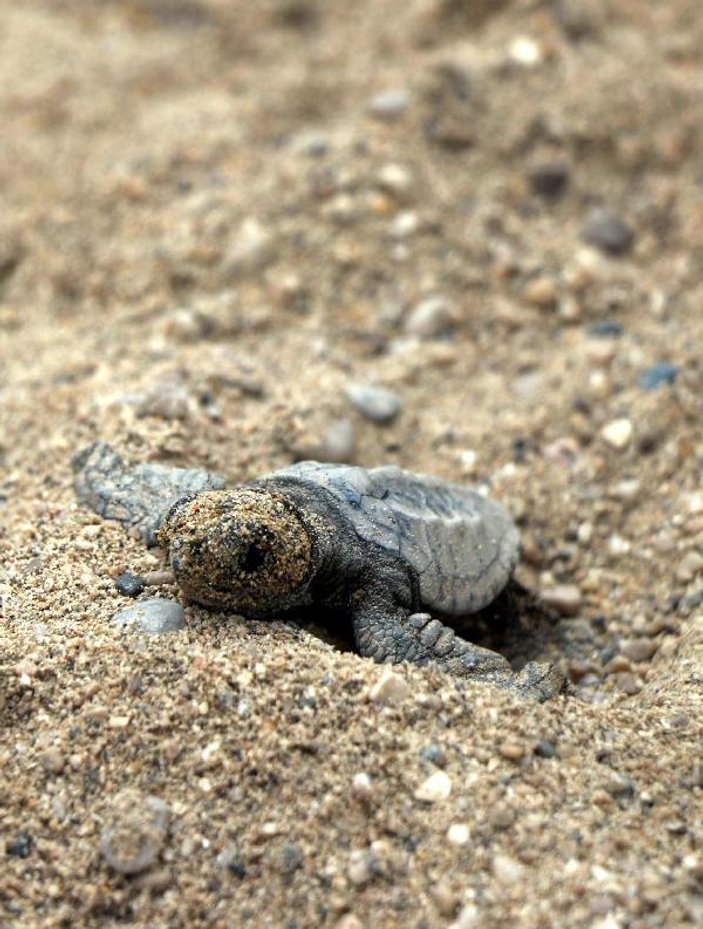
(381, 545)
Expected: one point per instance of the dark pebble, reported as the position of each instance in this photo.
(606, 231)
(238, 869)
(550, 178)
(605, 329)
(659, 375)
(291, 858)
(130, 585)
(545, 749)
(20, 846)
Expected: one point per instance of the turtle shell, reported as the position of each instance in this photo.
(461, 545)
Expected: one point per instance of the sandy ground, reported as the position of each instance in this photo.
(216, 217)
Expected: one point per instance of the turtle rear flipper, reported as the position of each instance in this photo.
(391, 634)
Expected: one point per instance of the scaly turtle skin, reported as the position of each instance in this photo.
(382, 545)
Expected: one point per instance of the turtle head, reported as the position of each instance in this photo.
(245, 549)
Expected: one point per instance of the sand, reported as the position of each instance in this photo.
(218, 217)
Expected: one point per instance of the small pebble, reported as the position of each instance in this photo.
(549, 178)
(378, 404)
(617, 545)
(434, 754)
(638, 650)
(290, 858)
(512, 751)
(525, 51)
(507, 870)
(501, 816)
(659, 375)
(390, 688)
(133, 841)
(432, 317)
(130, 585)
(395, 179)
(458, 834)
(362, 788)
(689, 567)
(606, 231)
(312, 142)
(404, 224)
(618, 433)
(564, 598)
(628, 683)
(52, 760)
(251, 251)
(157, 578)
(360, 869)
(151, 617)
(338, 441)
(627, 489)
(20, 846)
(167, 401)
(389, 105)
(605, 329)
(435, 788)
(349, 921)
(541, 292)
(620, 785)
(545, 749)
(601, 351)
(694, 503)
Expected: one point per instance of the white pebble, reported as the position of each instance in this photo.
(438, 786)
(458, 834)
(404, 224)
(395, 179)
(359, 868)
(694, 503)
(378, 404)
(525, 51)
(389, 104)
(617, 545)
(584, 533)
(618, 433)
(361, 786)
(507, 870)
(432, 317)
(252, 249)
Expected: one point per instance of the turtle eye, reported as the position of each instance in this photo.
(252, 558)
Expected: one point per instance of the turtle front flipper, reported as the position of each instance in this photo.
(134, 494)
(391, 634)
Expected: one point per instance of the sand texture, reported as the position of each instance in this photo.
(462, 238)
